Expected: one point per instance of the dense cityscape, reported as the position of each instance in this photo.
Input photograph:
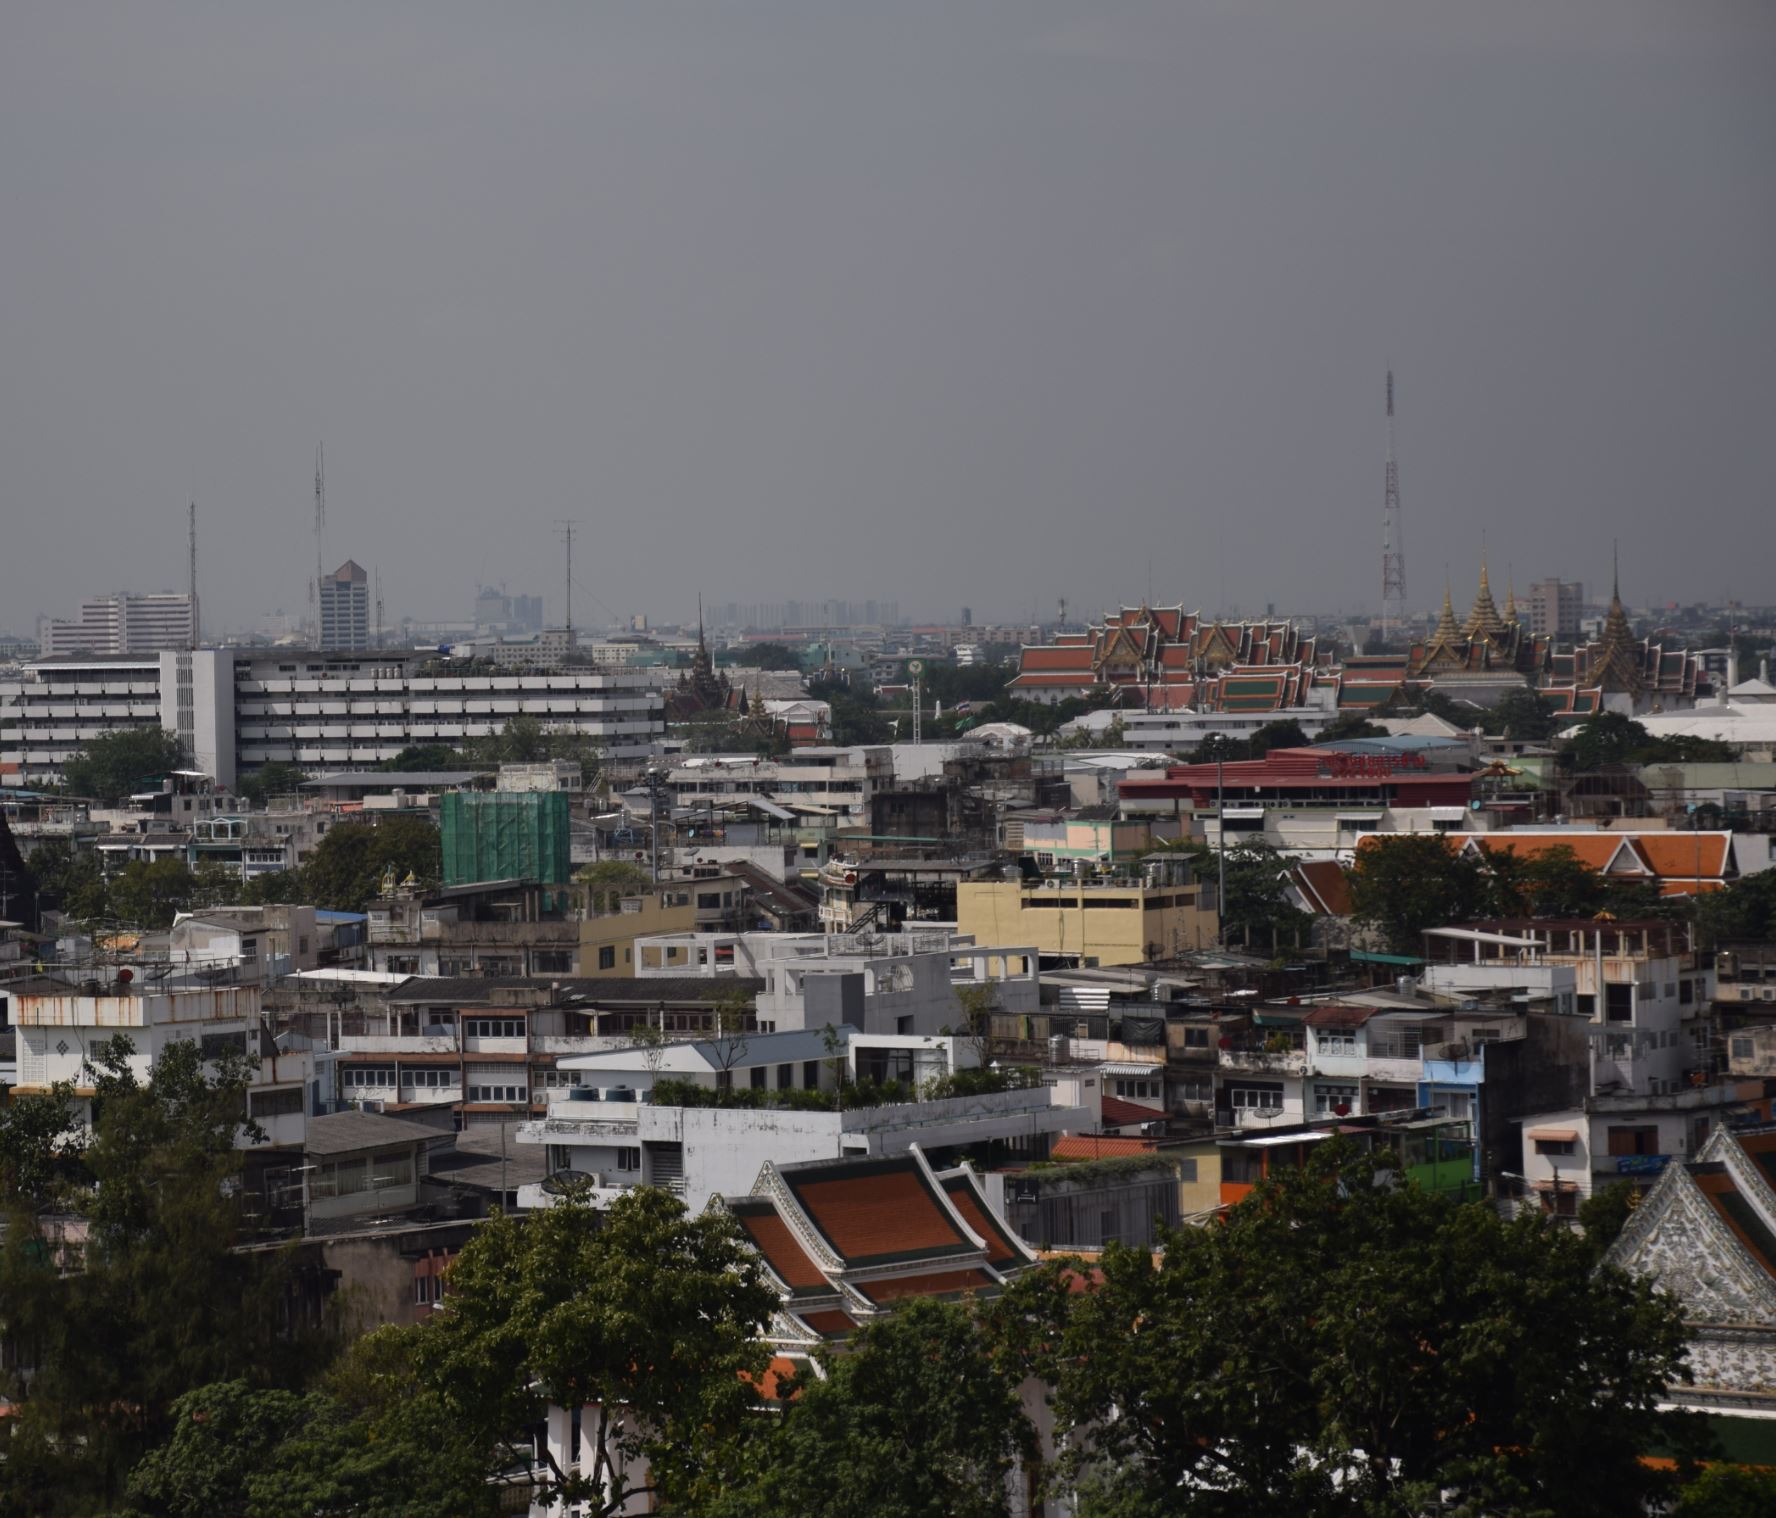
(996, 761)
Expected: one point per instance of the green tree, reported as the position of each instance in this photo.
(1344, 1344)
(918, 1417)
(121, 763)
(1522, 715)
(345, 872)
(1287, 733)
(1403, 883)
(1605, 1213)
(1743, 911)
(1349, 725)
(1606, 738)
(1257, 911)
(608, 881)
(426, 758)
(1552, 883)
(1729, 1491)
(40, 1145)
(643, 1317)
(271, 780)
(763, 656)
(150, 894)
(161, 1302)
(70, 879)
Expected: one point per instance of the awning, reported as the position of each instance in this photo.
(1554, 1135)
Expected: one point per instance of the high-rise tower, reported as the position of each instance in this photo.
(1393, 546)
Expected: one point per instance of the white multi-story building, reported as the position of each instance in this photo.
(612, 1133)
(122, 624)
(238, 709)
(59, 1027)
(840, 779)
(885, 983)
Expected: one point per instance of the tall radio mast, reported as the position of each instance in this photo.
(314, 595)
(196, 631)
(1393, 545)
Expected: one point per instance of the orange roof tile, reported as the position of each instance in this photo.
(1096, 1146)
(1003, 1250)
(875, 1209)
(829, 1322)
(782, 1251)
(1324, 881)
(935, 1283)
(770, 1381)
(1598, 850)
(1686, 855)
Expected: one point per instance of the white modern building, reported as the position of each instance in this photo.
(841, 780)
(60, 1026)
(238, 709)
(610, 1133)
(880, 983)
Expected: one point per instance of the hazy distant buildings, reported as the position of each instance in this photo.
(1555, 607)
(495, 611)
(774, 616)
(120, 624)
(345, 609)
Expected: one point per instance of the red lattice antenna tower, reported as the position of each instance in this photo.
(1393, 545)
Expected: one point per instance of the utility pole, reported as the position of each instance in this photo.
(1220, 845)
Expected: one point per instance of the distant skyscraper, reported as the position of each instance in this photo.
(1555, 607)
(345, 609)
(121, 624)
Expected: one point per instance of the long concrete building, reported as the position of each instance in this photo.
(238, 709)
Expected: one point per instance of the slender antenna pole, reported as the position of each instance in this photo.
(196, 632)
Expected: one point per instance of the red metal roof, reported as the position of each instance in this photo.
(870, 1210)
(936, 1283)
(776, 1241)
(1097, 1146)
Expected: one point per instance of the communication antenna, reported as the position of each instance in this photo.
(191, 531)
(314, 594)
(567, 533)
(1393, 545)
(378, 642)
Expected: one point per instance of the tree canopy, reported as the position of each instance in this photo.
(118, 764)
(1343, 1344)
(917, 1417)
(346, 870)
(1403, 883)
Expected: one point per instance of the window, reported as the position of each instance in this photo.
(709, 900)
(607, 957)
(360, 1077)
(811, 1074)
(1254, 1098)
(494, 1027)
(553, 961)
(1138, 1090)
(756, 1077)
(1619, 1003)
(428, 1290)
(1336, 1040)
(1742, 1048)
(498, 1093)
(557, 1080)
(1334, 1099)
(280, 1103)
(629, 1159)
(403, 964)
(785, 1077)
(1555, 1146)
(1686, 993)
(429, 1080)
(215, 1045)
(1194, 1088)
(1196, 1038)
(1639, 1139)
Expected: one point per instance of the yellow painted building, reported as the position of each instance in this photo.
(607, 941)
(1121, 921)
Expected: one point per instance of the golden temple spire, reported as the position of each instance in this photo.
(1484, 620)
(1446, 630)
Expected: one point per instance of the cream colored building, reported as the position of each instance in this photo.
(1155, 913)
(607, 941)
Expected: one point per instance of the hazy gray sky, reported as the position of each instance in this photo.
(983, 302)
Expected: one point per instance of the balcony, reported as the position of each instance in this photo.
(1266, 1061)
(397, 1043)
